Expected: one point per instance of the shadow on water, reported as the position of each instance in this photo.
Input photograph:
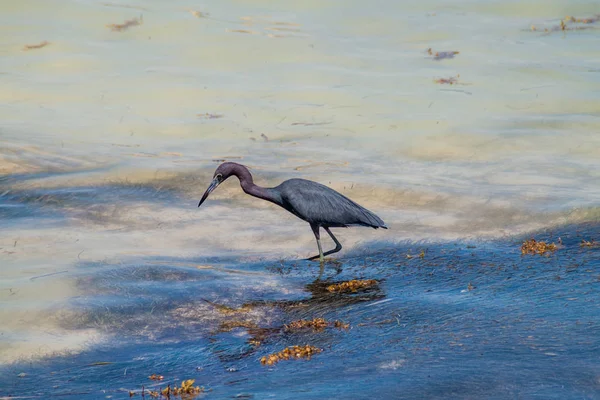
(453, 319)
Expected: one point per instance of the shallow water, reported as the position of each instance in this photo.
(466, 319)
(109, 139)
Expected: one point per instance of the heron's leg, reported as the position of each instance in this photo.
(321, 256)
(338, 245)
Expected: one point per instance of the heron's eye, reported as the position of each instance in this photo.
(219, 178)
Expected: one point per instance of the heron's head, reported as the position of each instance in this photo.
(223, 172)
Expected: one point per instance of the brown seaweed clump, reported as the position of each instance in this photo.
(317, 324)
(453, 80)
(293, 352)
(35, 46)
(351, 286)
(341, 325)
(532, 246)
(589, 20)
(126, 25)
(187, 388)
(421, 255)
(566, 24)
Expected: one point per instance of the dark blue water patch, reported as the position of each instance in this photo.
(464, 320)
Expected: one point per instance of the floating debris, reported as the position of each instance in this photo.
(156, 377)
(187, 388)
(421, 255)
(590, 20)
(35, 46)
(532, 246)
(563, 26)
(440, 55)
(126, 25)
(254, 342)
(293, 352)
(445, 54)
(317, 324)
(448, 81)
(351, 286)
(210, 116)
(341, 325)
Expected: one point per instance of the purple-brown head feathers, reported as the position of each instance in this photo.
(223, 172)
(227, 169)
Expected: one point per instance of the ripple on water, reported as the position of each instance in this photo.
(462, 318)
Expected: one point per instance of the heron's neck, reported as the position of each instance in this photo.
(248, 186)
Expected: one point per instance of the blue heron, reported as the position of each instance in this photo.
(320, 206)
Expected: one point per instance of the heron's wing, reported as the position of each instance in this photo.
(318, 204)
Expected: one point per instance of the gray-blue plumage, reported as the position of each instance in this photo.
(320, 206)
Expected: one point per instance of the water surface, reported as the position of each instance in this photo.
(109, 138)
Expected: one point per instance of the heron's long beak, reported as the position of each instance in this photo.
(213, 185)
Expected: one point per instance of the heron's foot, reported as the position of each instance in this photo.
(337, 248)
(328, 260)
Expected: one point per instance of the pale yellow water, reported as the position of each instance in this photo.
(340, 92)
